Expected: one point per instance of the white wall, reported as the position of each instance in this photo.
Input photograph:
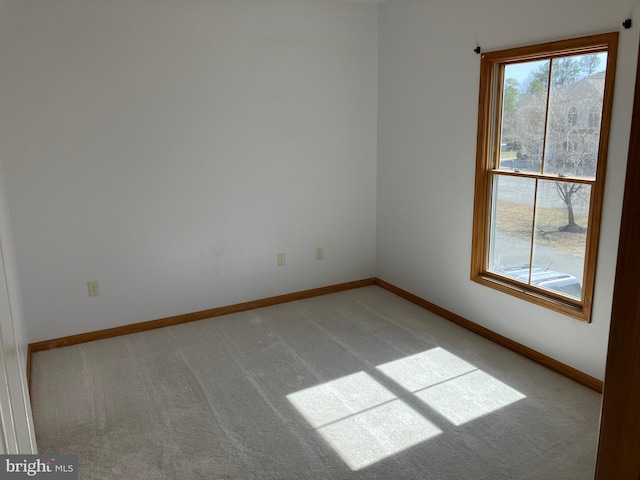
(428, 103)
(171, 148)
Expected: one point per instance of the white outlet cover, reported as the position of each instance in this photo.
(94, 288)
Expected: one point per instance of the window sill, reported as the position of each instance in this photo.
(534, 295)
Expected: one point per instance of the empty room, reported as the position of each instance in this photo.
(313, 239)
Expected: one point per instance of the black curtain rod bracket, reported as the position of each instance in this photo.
(477, 50)
(627, 23)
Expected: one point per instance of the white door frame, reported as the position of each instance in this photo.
(16, 421)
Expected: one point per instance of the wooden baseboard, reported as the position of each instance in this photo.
(503, 341)
(191, 317)
(527, 352)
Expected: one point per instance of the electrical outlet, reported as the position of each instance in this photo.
(94, 288)
(281, 260)
(319, 253)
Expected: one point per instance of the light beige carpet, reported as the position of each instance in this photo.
(354, 385)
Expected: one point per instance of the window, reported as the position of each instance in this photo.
(538, 206)
(594, 118)
(572, 116)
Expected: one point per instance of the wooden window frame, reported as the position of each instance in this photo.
(487, 154)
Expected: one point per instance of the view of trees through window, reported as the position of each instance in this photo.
(550, 128)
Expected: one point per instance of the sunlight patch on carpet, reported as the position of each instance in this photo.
(425, 369)
(364, 422)
(469, 396)
(454, 388)
(340, 398)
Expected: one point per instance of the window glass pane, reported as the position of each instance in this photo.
(575, 112)
(560, 237)
(524, 102)
(511, 226)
